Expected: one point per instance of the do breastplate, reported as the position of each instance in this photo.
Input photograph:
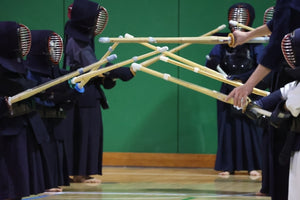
(237, 61)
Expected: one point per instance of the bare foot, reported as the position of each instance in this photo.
(92, 180)
(254, 173)
(86, 179)
(54, 190)
(226, 173)
(260, 194)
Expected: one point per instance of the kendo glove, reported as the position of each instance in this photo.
(212, 62)
(76, 86)
(108, 83)
(123, 73)
(4, 106)
(279, 115)
(251, 112)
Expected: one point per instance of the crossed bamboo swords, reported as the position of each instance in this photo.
(81, 76)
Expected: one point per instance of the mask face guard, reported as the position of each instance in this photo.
(70, 10)
(240, 15)
(287, 50)
(101, 21)
(268, 15)
(25, 39)
(55, 48)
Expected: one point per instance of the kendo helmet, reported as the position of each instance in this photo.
(242, 13)
(290, 46)
(88, 16)
(15, 43)
(268, 15)
(46, 51)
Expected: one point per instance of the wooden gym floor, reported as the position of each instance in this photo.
(144, 183)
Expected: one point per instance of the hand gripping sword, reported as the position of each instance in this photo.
(33, 91)
(212, 93)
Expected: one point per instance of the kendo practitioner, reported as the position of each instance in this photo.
(43, 66)
(286, 101)
(21, 129)
(285, 20)
(86, 21)
(292, 97)
(239, 138)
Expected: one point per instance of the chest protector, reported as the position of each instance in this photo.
(237, 60)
